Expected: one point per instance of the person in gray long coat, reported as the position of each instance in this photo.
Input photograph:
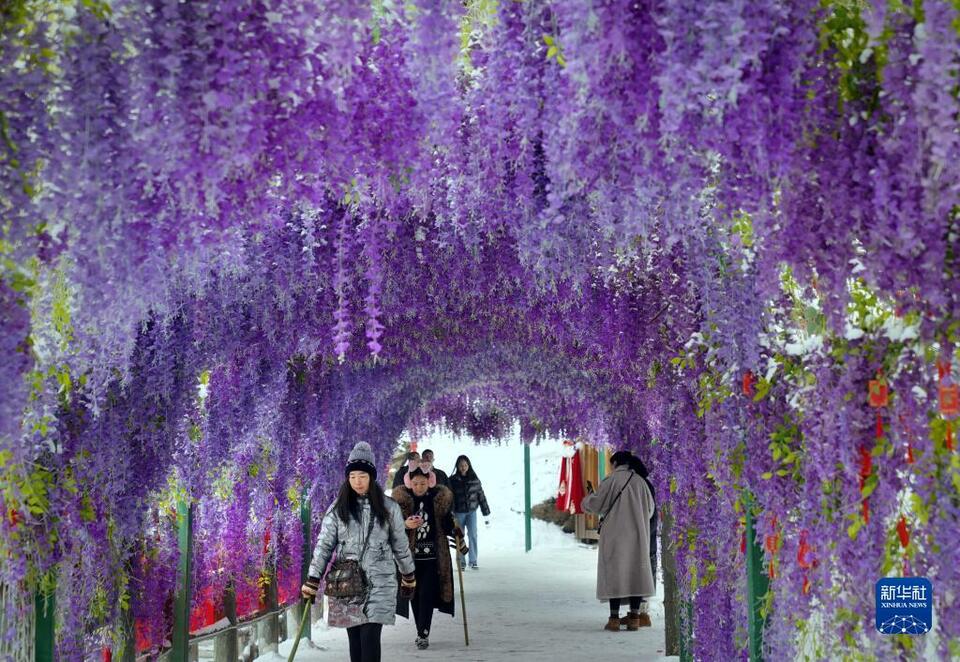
(623, 563)
(362, 507)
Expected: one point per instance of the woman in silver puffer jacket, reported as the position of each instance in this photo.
(362, 507)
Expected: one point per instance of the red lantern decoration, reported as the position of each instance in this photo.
(747, 385)
(879, 392)
(866, 465)
(902, 532)
(949, 399)
(943, 369)
(879, 396)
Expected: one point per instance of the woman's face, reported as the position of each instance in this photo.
(420, 485)
(463, 466)
(360, 482)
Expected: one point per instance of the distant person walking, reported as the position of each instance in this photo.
(364, 524)
(624, 570)
(467, 497)
(427, 507)
(442, 478)
(411, 462)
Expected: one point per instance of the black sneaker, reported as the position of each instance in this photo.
(423, 643)
(473, 566)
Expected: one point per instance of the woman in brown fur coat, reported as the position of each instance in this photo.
(426, 508)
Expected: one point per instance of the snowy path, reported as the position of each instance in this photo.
(536, 607)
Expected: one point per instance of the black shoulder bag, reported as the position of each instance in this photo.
(346, 578)
(615, 499)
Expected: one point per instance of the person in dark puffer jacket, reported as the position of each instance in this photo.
(467, 497)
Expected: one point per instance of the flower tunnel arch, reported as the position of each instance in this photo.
(234, 240)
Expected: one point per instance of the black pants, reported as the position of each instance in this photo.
(365, 642)
(634, 604)
(425, 597)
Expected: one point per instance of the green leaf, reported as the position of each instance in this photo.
(870, 485)
(854, 528)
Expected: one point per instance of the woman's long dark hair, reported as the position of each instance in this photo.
(635, 463)
(348, 502)
(456, 468)
(638, 467)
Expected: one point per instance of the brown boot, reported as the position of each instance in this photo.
(643, 620)
(631, 621)
(613, 624)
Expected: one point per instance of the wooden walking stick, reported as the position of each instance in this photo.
(463, 598)
(304, 619)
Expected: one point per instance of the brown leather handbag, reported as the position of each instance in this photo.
(347, 578)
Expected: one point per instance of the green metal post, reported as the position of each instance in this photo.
(601, 463)
(671, 595)
(686, 641)
(180, 641)
(528, 533)
(43, 642)
(128, 653)
(757, 584)
(307, 551)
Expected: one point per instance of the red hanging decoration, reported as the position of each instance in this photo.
(902, 532)
(879, 392)
(743, 543)
(866, 465)
(949, 399)
(943, 369)
(806, 585)
(908, 433)
(879, 396)
(866, 512)
(747, 386)
(803, 552)
(570, 491)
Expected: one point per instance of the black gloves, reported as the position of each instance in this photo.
(408, 584)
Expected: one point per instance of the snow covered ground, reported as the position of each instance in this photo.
(534, 607)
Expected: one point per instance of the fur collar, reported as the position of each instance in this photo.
(442, 499)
